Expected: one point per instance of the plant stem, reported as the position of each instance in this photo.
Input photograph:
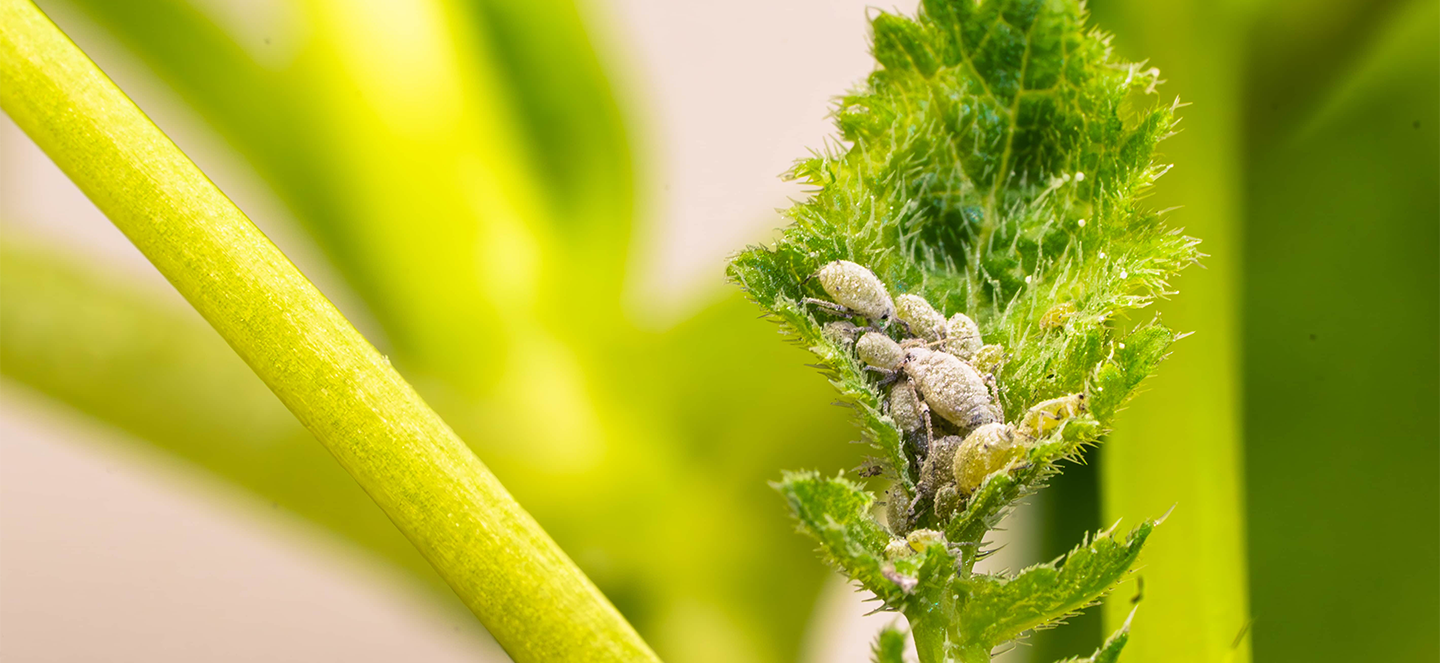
(531, 597)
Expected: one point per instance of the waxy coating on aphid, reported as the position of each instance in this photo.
(989, 449)
(922, 318)
(840, 332)
(905, 406)
(879, 351)
(1045, 416)
(938, 468)
(962, 336)
(858, 289)
(952, 388)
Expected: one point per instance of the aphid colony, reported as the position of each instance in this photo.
(943, 394)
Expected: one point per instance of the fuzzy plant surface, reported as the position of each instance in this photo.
(993, 163)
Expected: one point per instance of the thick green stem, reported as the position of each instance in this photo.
(534, 600)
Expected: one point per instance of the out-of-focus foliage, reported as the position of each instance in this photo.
(490, 246)
(1342, 310)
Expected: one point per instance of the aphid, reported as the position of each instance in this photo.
(921, 539)
(840, 332)
(952, 388)
(879, 352)
(1057, 316)
(938, 468)
(936, 473)
(988, 359)
(898, 549)
(948, 500)
(896, 510)
(920, 317)
(989, 449)
(856, 290)
(906, 408)
(1045, 416)
(962, 336)
(905, 583)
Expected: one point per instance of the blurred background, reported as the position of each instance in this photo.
(527, 205)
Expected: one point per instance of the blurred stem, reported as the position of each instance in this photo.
(1181, 445)
(531, 597)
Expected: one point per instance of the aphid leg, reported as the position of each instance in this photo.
(887, 377)
(830, 306)
(993, 387)
(929, 430)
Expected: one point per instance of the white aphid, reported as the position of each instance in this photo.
(989, 449)
(840, 332)
(962, 336)
(906, 408)
(879, 351)
(952, 388)
(856, 288)
(922, 318)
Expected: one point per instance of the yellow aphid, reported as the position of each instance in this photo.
(1057, 316)
(856, 289)
(922, 318)
(988, 450)
(1045, 416)
(962, 336)
(898, 549)
(921, 539)
(988, 359)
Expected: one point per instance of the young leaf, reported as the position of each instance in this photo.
(889, 646)
(992, 164)
(997, 610)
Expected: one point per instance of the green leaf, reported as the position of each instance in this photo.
(1109, 651)
(995, 610)
(836, 513)
(889, 646)
(1002, 184)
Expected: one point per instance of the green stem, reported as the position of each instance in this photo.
(538, 605)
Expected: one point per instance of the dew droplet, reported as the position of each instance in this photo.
(1079, 177)
(1102, 255)
(1124, 274)
(1080, 223)
(1027, 280)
